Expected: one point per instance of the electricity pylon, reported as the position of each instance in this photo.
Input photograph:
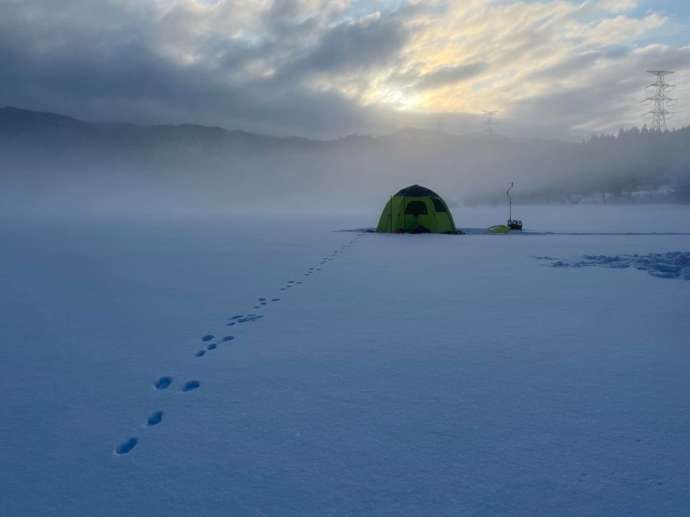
(659, 99)
(490, 122)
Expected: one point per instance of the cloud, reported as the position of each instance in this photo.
(322, 67)
(607, 95)
(353, 47)
(447, 75)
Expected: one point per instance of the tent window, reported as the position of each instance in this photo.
(439, 205)
(416, 208)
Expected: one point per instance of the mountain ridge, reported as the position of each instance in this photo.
(43, 151)
(16, 114)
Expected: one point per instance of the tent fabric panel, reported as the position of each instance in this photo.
(405, 213)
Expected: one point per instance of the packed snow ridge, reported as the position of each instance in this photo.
(674, 264)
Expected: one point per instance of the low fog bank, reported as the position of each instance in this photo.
(53, 163)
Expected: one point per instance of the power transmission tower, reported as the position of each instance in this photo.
(490, 122)
(659, 99)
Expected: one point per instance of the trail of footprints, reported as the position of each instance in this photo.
(209, 343)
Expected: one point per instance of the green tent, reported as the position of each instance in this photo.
(416, 209)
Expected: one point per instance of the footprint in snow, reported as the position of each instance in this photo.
(126, 446)
(155, 418)
(190, 386)
(163, 383)
(250, 318)
(230, 324)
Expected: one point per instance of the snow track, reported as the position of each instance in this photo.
(673, 264)
(209, 340)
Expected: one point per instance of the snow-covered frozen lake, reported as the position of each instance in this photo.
(405, 375)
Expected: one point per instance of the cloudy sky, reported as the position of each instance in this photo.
(325, 68)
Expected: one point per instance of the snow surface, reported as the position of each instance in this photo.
(673, 264)
(405, 375)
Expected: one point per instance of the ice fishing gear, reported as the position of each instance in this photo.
(498, 229)
(513, 224)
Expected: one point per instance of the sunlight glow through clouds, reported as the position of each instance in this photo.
(513, 40)
(270, 60)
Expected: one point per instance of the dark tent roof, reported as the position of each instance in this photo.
(416, 191)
